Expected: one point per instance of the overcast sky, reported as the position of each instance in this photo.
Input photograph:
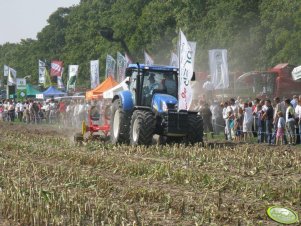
(21, 19)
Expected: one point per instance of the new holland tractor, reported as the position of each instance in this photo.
(149, 107)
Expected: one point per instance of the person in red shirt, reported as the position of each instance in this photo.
(62, 111)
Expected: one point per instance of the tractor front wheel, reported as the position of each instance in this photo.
(195, 131)
(142, 128)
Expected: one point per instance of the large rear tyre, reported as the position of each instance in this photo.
(195, 131)
(142, 128)
(119, 124)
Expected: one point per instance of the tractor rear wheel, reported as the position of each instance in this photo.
(119, 124)
(195, 131)
(142, 128)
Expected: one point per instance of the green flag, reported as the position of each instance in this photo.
(47, 81)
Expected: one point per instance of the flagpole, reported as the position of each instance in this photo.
(179, 62)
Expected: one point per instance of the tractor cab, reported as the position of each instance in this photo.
(149, 107)
(151, 80)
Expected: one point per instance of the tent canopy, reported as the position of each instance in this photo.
(109, 94)
(105, 85)
(52, 91)
(31, 91)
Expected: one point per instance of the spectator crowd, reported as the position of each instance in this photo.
(66, 112)
(276, 121)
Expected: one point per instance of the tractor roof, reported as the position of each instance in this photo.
(154, 67)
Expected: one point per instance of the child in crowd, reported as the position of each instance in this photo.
(280, 128)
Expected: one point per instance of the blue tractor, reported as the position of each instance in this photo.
(149, 107)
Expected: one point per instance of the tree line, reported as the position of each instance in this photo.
(257, 33)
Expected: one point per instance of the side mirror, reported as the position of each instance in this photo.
(128, 72)
(193, 77)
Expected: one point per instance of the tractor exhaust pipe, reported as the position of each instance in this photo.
(139, 88)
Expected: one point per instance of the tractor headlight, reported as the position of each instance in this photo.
(164, 107)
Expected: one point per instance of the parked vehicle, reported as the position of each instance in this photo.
(277, 81)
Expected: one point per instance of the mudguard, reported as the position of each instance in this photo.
(160, 99)
(126, 100)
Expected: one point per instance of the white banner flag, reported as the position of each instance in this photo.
(219, 68)
(73, 72)
(21, 83)
(94, 70)
(193, 49)
(42, 71)
(60, 83)
(185, 73)
(128, 59)
(148, 60)
(296, 73)
(174, 60)
(110, 66)
(6, 70)
(12, 76)
(121, 67)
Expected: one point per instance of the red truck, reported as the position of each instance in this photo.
(276, 81)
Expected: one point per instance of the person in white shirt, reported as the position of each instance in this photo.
(229, 116)
(290, 122)
(247, 121)
(19, 110)
(52, 111)
(225, 105)
(298, 118)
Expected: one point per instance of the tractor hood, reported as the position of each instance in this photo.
(163, 102)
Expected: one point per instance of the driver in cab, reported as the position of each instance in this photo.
(152, 84)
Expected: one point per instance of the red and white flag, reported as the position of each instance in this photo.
(56, 68)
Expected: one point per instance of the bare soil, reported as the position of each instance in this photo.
(222, 183)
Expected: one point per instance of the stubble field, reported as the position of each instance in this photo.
(45, 179)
